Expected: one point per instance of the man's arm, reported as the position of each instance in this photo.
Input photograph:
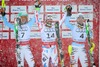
(62, 20)
(66, 19)
(68, 24)
(7, 23)
(2, 11)
(68, 9)
(35, 19)
(32, 21)
(37, 11)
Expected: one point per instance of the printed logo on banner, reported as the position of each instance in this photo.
(5, 35)
(35, 27)
(88, 16)
(35, 35)
(66, 34)
(32, 15)
(52, 8)
(85, 8)
(74, 8)
(7, 16)
(32, 8)
(17, 9)
(55, 17)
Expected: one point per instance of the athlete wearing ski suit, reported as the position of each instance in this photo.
(23, 38)
(78, 45)
(48, 37)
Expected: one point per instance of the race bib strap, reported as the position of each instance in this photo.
(24, 43)
(79, 42)
(48, 44)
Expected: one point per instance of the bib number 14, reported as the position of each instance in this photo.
(50, 36)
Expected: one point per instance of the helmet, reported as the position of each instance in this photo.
(80, 15)
(22, 14)
(48, 18)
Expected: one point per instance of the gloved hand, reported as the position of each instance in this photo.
(92, 47)
(68, 9)
(2, 10)
(70, 49)
(37, 5)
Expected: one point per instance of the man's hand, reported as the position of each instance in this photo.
(68, 9)
(70, 49)
(2, 11)
(92, 47)
(37, 5)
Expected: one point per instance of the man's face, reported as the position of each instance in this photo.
(80, 20)
(24, 19)
(48, 22)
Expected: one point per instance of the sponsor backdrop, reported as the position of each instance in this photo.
(90, 9)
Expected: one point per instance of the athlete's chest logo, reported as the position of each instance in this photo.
(80, 30)
(23, 28)
(81, 33)
(23, 31)
(49, 30)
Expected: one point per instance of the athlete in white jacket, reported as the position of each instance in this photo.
(24, 29)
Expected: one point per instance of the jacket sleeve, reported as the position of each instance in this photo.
(7, 23)
(68, 24)
(31, 22)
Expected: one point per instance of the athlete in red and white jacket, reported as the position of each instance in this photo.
(48, 37)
